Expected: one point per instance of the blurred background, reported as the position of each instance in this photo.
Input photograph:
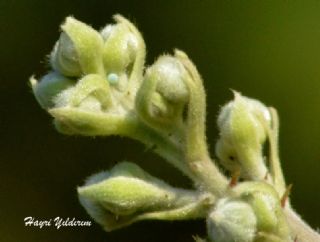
(268, 50)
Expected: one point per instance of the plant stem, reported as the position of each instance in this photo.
(161, 144)
(208, 177)
(302, 231)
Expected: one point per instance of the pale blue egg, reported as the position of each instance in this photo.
(113, 78)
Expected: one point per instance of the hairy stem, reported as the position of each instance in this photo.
(208, 176)
(302, 231)
(160, 143)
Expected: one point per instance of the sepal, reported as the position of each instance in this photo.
(48, 87)
(123, 55)
(78, 51)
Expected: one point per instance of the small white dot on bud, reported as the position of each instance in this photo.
(113, 78)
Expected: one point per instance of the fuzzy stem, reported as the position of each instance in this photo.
(208, 176)
(163, 146)
(301, 230)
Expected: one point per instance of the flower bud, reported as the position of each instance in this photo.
(265, 202)
(170, 74)
(49, 87)
(120, 47)
(127, 194)
(78, 51)
(126, 190)
(242, 124)
(170, 92)
(252, 214)
(163, 93)
(232, 220)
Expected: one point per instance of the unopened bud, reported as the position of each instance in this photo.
(242, 124)
(126, 190)
(170, 74)
(232, 220)
(130, 194)
(163, 93)
(265, 202)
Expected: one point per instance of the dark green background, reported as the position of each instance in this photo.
(268, 50)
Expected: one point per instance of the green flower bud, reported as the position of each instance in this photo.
(232, 220)
(252, 214)
(265, 202)
(170, 74)
(127, 194)
(100, 102)
(127, 190)
(163, 93)
(242, 124)
(78, 51)
(49, 87)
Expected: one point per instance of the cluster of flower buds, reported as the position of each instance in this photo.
(99, 86)
(100, 77)
(92, 74)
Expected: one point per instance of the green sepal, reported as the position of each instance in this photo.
(90, 86)
(265, 237)
(118, 49)
(124, 54)
(49, 87)
(78, 51)
(75, 121)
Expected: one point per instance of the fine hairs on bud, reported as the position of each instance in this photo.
(64, 57)
(131, 194)
(163, 93)
(49, 87)
(170, 74)
(242, 125)
(93, 73)
(78, 51)
(119, 47)
(232, 220)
